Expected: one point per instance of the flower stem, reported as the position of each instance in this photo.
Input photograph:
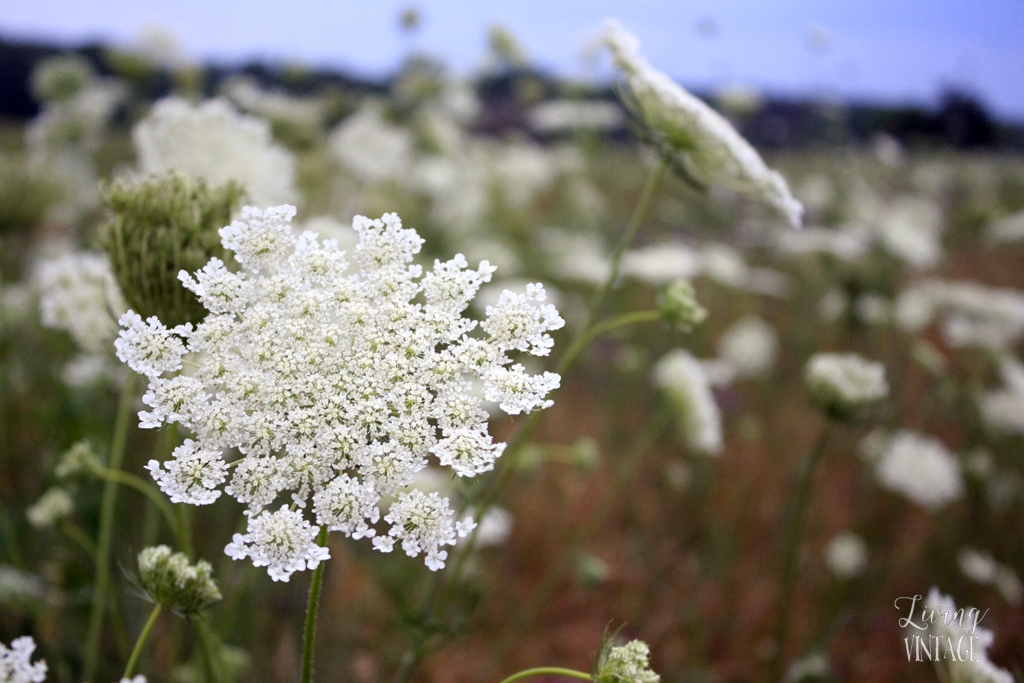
(108, 506)
(206, 644)
(794, 533)
(129, 668)
(542, 670)
(153, 494)
(311, 609)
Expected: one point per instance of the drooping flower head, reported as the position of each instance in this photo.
(336, 387)
(171, 580)
(685, 128)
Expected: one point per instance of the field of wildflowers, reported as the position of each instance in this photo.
(605, 395)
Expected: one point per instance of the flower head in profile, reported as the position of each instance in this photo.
(921, 468)
(690, 132)
(844, 383)
(682, 377)
(951, 626)
(336, 387)
(171, 580)
(629, 663)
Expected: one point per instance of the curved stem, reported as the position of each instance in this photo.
(311, 610)
(108, 506)
(151, 492)
(582, 341)
(542, 670)
(129, 668)
(76, 534)
(791, 553)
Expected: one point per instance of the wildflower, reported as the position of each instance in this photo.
(15, 666)
(846, 555)
(629, 663)
(79, 460)
(170, 580)
(370, 147)
(78, 294)
(335, 387)
(51, 507)
(1003, 409)
(60, 78)
(214, 142)
(811, 667)
(911, 229)
(683, 126)
(679, 307)
(749, 345)
(982, 568)
(844, 383)
(683, 379)
(17, 587)
(137, 678)
(977, 670)
(559, 116)
(662, 263)
(162, 225)
(921, 468)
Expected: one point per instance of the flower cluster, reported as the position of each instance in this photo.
(335, 387)
(682, 123)
(170, 580)
(214, 142)
(15, 666)
(843, 383)
(978, 669)
(921, 468)
(51, 507)
(629, 663)
(78, 294)
(684, 380)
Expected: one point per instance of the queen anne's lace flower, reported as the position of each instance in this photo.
(335, 387)
(684, 380)
(843, 383)
(714, 151)
(629, 663)
(921, 468)
(953, 627)
(15, 666)
(282, 541)
(78, 294)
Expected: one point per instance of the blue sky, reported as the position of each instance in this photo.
(883, 50)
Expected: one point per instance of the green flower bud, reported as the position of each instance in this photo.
(170, 580)
(679, 306)
(627, 663)
(78, 461)
(162, 225)
(60, 78)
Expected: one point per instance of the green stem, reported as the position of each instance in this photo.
(792, 550)
(583, 340)
(73, 532)
(152, 493)
(311, 610)
(206, 644)
(108, 506)
(543, 670)
(129, 668)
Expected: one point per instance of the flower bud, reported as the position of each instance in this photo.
(60, 78)
(627, 663)
(679, 307)
(842, 384)
(172, 581)
(164, 224)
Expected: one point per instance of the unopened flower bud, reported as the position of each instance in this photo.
(172, 581)
(162, 225)
(679, 307)
(842, 384)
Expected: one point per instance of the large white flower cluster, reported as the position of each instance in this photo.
(15, 664)
(370, 147)
(920, 467)
(714, 151)
(213, 141)
(958, 631)
(843, 383)
(335, 387)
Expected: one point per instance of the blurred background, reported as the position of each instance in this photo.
(497, 131)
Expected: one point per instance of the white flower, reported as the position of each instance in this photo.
(911, 229)
(149, 348)
(842, 383)
(683, 379)
(559, 116)
(1007, 229)
(52, 506)
(193, 476)
(629, 663)
(137, 678)
(370, 147)
(15, 666)
(983, 568)
(334, 387)
(714, 151)
(952, 626)
(281, 541)
(662, 263)
(213, 141)
(846, 555)
(921, 468)
(422, 523)
(750, 346)
(78, 294)
(977, 315)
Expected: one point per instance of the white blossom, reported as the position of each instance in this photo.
(845, 382)
(78, 294)
(370, 147)
(714, 151)
(952, 626)
(921, 468)
(749, 345)
(15, 664)
(52, 506)
(682, 377)
(982, 568)
(422, 523)
(283, 542)
(559, 116)
(334, 386)
(213, 141)
(846, 555)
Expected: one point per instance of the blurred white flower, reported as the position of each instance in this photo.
(948, 626)
(920, 467)
(660, 264)
(213, 141)
(750, 345)
(15, 664)
(51, 507)
(846, 555)
(682, 377)
(911, 229)
(370, 147)
(559, 116)
(1007, 229)
(78, 294)
(843, 383)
